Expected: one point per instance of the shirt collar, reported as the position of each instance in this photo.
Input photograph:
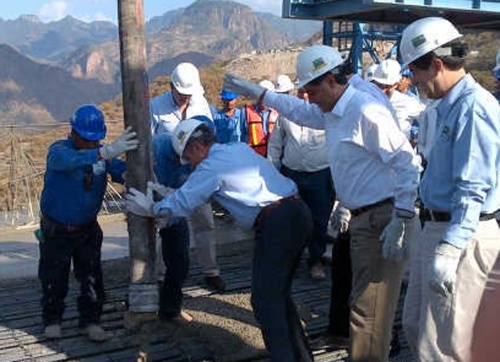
(341, 107)
(454, 93)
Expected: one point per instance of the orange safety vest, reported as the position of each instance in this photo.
(257, 136)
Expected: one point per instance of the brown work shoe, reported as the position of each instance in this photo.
(97, 334)
(317, 271)
(216, 283)
(53, 331)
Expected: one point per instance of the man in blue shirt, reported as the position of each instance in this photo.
(74, 185)
(258, 197)
(174, 233)
(230, 125)
(184, 101)
(460, 241)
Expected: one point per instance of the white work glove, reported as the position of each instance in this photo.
(443, 269)
(138, 203)
(126, 142)
(236, 84)
(340, 219)
(159, 188)
(394, 236)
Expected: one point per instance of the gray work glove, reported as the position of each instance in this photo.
(236, 84)
(395, 236)
(340, 219)
(159, 188)
(138, 203)
(126, 142)
(162, 191)
(443, 269)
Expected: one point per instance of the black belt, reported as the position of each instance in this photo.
(444, 216)
(67, 227)
(362, 209)
(271, 206)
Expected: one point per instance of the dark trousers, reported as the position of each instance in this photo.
(280, 237)
(61, 245)
(175, 253)
(316, 189)
(341, 286)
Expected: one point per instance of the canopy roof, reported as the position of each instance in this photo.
(471, 14)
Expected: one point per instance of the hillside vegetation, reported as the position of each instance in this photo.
(253, 66)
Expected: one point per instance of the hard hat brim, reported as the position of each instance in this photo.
(189, 91)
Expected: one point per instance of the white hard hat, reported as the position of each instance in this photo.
(267, 84)
(315, 61)
(186, 79)
(388, 72)
(284, 84)
(424, 36)
(497, 67)
(182, 133)
(370, 71)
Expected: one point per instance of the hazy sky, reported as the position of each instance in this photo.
(89, 10)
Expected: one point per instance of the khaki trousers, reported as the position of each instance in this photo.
(485, 346)
(440, 329)
(375, 289)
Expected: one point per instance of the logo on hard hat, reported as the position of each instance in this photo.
(181, 136)
(318, 64)
(418, 40)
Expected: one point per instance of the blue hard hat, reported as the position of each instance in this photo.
(88, 122)
(205, 120)
(407, 73)
(228, 96)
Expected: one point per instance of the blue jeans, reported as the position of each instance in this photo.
(316, 189)
(280, 237)
(61, 245)
(175, 253)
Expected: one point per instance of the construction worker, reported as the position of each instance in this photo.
(74, 185)
(230, 125)
(260, 122)
(387, 77)
(375, 173)
(174, 233)
(300, 154)
(258, 197)
(459, 243)
(183, 101)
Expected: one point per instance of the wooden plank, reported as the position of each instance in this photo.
(21, 333)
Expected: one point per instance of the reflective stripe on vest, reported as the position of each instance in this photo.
(257, 137)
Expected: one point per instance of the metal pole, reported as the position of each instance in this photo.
(143, 290)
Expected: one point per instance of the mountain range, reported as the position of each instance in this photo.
(52, 67)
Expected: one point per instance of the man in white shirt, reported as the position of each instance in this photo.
(185, 100)
(375, 173)
(299, 153)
